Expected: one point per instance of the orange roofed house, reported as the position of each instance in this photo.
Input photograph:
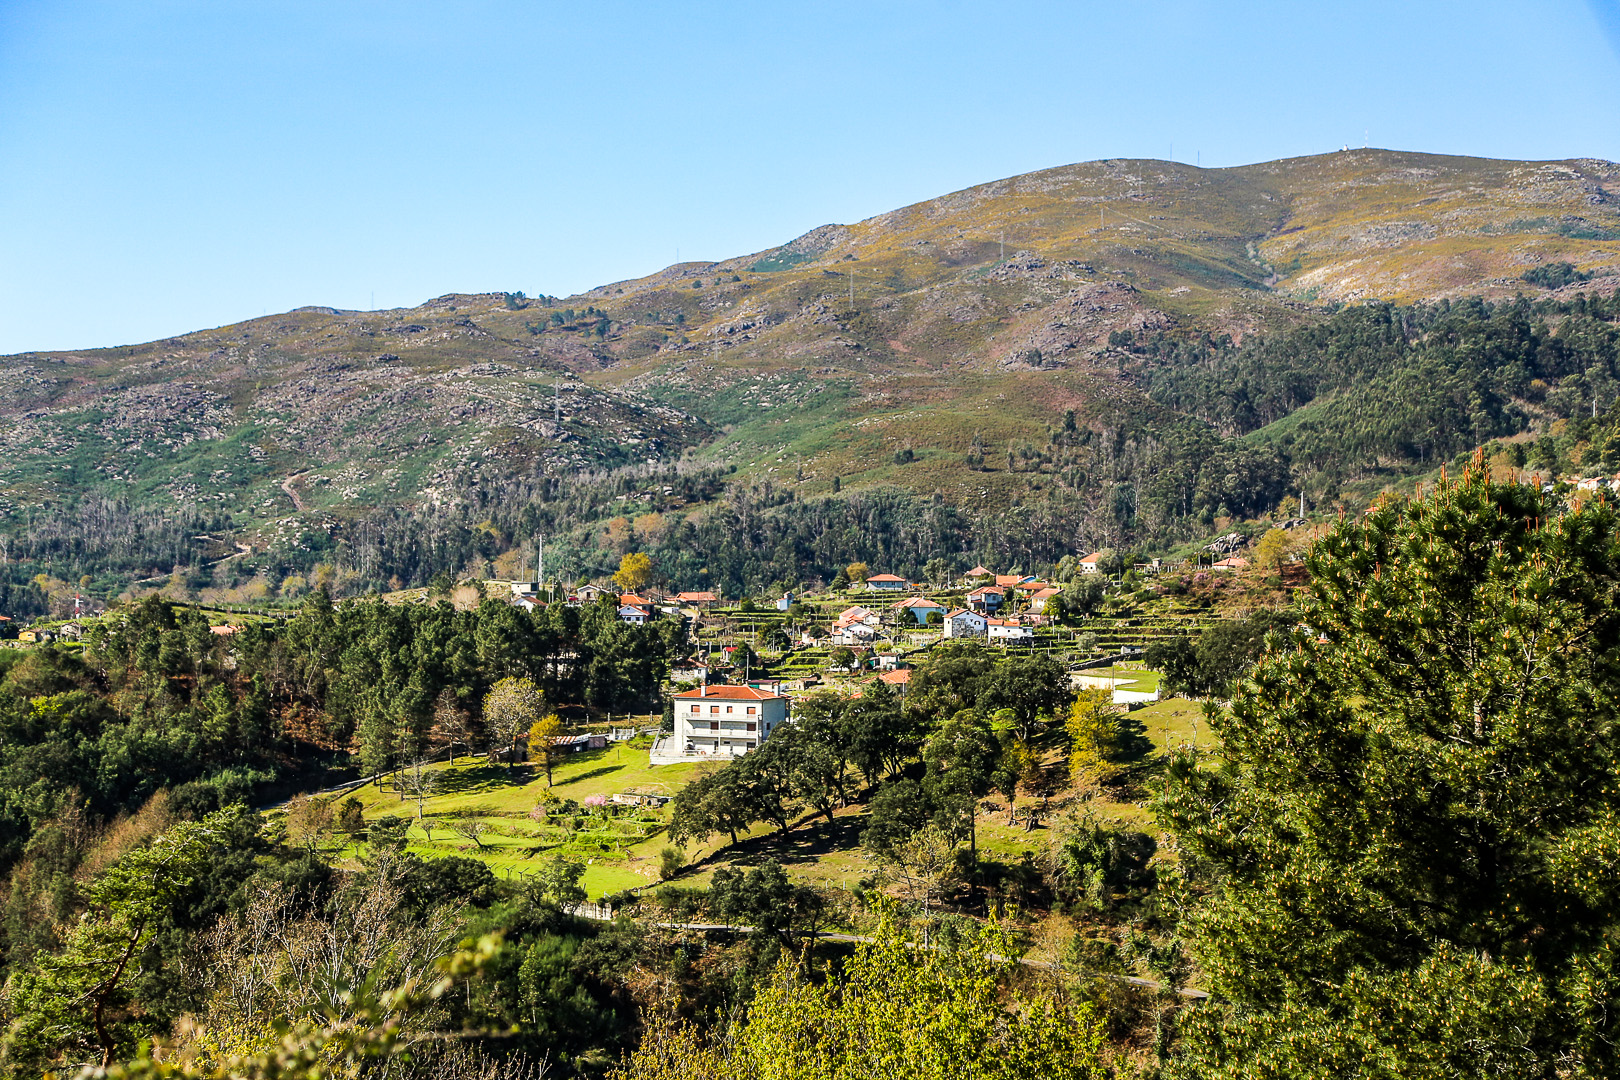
(725, 721)
(886, 582)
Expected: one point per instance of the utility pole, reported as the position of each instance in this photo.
(539, 562)
(556, 389)
(1003, 245)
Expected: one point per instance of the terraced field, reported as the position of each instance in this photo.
(619, 845)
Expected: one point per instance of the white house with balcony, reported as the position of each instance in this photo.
(720, 722)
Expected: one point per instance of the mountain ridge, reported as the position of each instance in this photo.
(906, 350)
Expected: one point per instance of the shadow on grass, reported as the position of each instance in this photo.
(805, 844)
(470, 781)
(588, 775)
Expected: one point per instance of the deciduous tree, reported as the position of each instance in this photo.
(510, 708)
(635, 571)
(543, 746)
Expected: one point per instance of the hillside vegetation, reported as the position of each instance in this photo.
(1060, 360)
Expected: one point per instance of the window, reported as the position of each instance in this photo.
(714, 725)
(751, 725)
(728, 708)
(697, 708)
(750, 710)
(713, 709)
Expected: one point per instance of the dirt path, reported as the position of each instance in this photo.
(286, 486)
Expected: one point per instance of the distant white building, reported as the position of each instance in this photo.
(855, 626)
(1008, 630)
(965, 623)
(725, 721)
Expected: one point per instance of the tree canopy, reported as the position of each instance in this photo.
(1411, 844)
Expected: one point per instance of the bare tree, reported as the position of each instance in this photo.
(451, 724)
(418, 785)
(471, 827)
(923, 864)
(279, 959)
(308, 819)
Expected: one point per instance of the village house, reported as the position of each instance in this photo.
(986, 599)
(855, 625)
(696, 599)
(634, 609)
(1009, 582)
(1089, 563)
(919, 608)
(590, 594)
(886, 582)
(1037, 600)
(898, 678)
(963, 623)
(1008, 630)
(1230, 564)
(854, 633)
(979, 573)
(725, 721)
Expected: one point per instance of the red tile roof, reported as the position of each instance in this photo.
(730, 693)
(898, 677)
(886, 577)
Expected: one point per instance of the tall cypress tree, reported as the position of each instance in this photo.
(1411, 840)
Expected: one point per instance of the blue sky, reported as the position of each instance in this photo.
(168, 165)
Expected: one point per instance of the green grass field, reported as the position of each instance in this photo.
(621, 850)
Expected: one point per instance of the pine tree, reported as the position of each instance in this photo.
(1412, 844)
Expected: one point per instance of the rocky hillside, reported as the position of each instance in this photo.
(915, 349)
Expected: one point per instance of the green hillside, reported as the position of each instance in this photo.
(1018, 353)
